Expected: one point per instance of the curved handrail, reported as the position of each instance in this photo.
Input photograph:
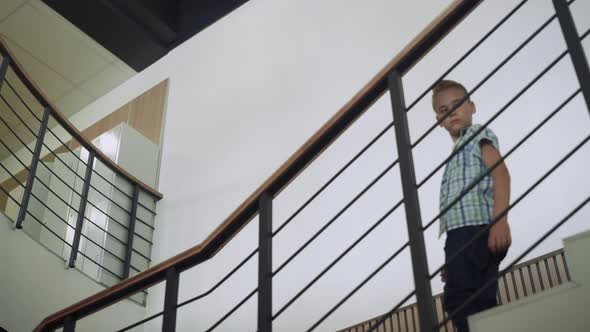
(346, 116)
(67, 125)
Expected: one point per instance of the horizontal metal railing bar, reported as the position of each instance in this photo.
(120, 223)
(334, 177)
(507, 269)
(512, 205)
(72, 152)
(122, 208)
(367, 279)
(83, 235)
(68, 166)
(69, 149)
(220, 282)
(236, 307)
(487, 77)
(335, 261)
(58, 216)
(145, 320)
(10, 128)
(147, 208)
(102, 177)
(497, 163)
(65, 123)
(118, 240)
(65, 242)
(585, 34)
(191, 300)
(110, 200)
(39, 120)
(289, 170)
(49, 229)
(97, 264)
(467, 54)
(494, 117)
(70, 187)
(35, 135)
(41, 160)
(331, 221)
(143, 238)
(38, 179)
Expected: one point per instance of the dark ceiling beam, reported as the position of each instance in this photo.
(140, 32)
(158, 21)
(112, 29)
(196, 16)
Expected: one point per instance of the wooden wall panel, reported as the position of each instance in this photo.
(147, 112)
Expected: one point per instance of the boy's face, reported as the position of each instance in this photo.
(459, 118)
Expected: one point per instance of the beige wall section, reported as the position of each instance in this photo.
(144, 113)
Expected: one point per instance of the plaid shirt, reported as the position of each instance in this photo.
(476, 207)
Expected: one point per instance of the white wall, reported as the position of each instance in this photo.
(36, 284)
(248, 91)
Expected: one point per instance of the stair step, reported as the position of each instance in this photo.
(561, 308)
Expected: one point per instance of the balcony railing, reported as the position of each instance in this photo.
(64, 192)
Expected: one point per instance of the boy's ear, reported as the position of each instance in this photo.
(473, 108)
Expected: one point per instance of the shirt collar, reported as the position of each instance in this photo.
(464, 131)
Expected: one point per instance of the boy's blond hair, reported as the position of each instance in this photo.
(445, 85)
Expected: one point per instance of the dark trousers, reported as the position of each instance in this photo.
(469, 272)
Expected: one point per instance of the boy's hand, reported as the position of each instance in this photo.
(499, 239)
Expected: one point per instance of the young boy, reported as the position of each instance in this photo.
(479, 263)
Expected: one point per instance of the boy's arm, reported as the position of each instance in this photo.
(499, 238)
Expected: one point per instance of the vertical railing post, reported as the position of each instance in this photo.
(170, 300)
(412, 205)
(265, 264)
(4, 69)
(131, 232)
(81, 210)
(574, 45)
(33, 169)
(69, 324)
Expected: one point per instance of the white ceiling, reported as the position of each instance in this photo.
(69, 66)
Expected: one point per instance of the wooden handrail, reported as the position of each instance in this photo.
(67, 125)
(370, 93)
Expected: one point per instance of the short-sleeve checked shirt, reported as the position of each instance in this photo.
(476, 207)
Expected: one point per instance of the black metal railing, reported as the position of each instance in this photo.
(426, 314)
(99, 223)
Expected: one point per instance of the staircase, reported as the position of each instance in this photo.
(524, 281)
(424, 316)
(564, 308)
